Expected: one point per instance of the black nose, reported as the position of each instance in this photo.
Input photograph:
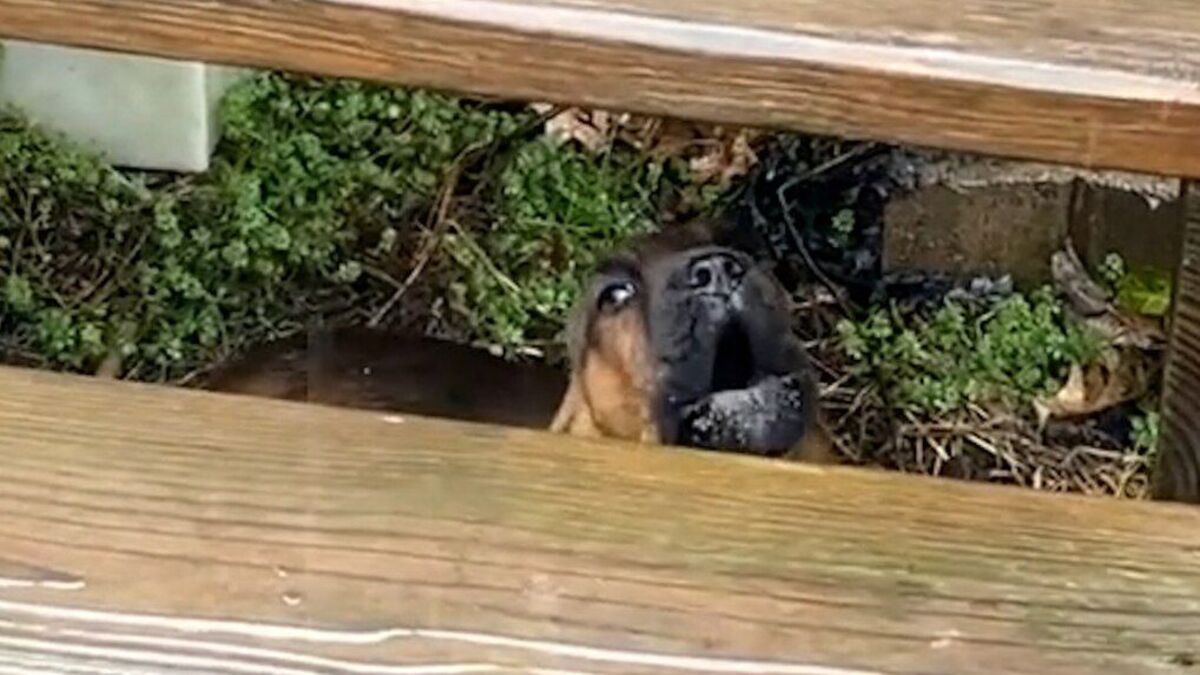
(715, 273)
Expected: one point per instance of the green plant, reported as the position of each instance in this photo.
(1143, 290)
(67, 224)
(1145, 432)
(556, 212)
(1004, 352)
(842, 227)
(1113, 270)
(167, 269)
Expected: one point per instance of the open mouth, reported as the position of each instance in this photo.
(733, 360)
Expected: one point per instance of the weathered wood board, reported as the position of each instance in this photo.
(1177, 475)
(152, 530)
(147, 529)
(1096, 83)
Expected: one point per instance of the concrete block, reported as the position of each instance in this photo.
(984, 216)
(1145, 231)
(137, 111)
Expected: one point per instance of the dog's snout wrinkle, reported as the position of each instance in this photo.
(717, 273)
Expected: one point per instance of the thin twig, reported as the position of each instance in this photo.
(811, 264)
(831, 164)
(431, 242)
(441, 221)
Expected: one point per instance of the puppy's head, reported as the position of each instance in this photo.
(672, 321)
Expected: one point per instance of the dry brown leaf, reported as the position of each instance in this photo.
(1122, 330)
(714, 154)
(1119, 376)
(724, 161)
(665, 138)
(593, 132)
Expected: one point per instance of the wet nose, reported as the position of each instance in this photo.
(715, 273)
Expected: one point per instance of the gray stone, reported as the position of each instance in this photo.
(137, 111)
(968, 217)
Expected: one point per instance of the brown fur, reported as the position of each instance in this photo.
(610, 391)
(377, 370)
(611, 384)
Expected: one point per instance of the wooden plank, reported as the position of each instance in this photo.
(1177, 474)
(146, 527)
(1109, 83)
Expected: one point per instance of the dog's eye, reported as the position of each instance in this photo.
(615, 296)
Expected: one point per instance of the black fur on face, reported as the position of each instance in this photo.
(731, 374)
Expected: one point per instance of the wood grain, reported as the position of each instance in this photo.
(152, 528)
(1110, 83)
(1177, 474)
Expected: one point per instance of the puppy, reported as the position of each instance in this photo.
(680, 340)
(685, 341)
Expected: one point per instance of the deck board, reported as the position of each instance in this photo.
(1102, 84)
(145, 526)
